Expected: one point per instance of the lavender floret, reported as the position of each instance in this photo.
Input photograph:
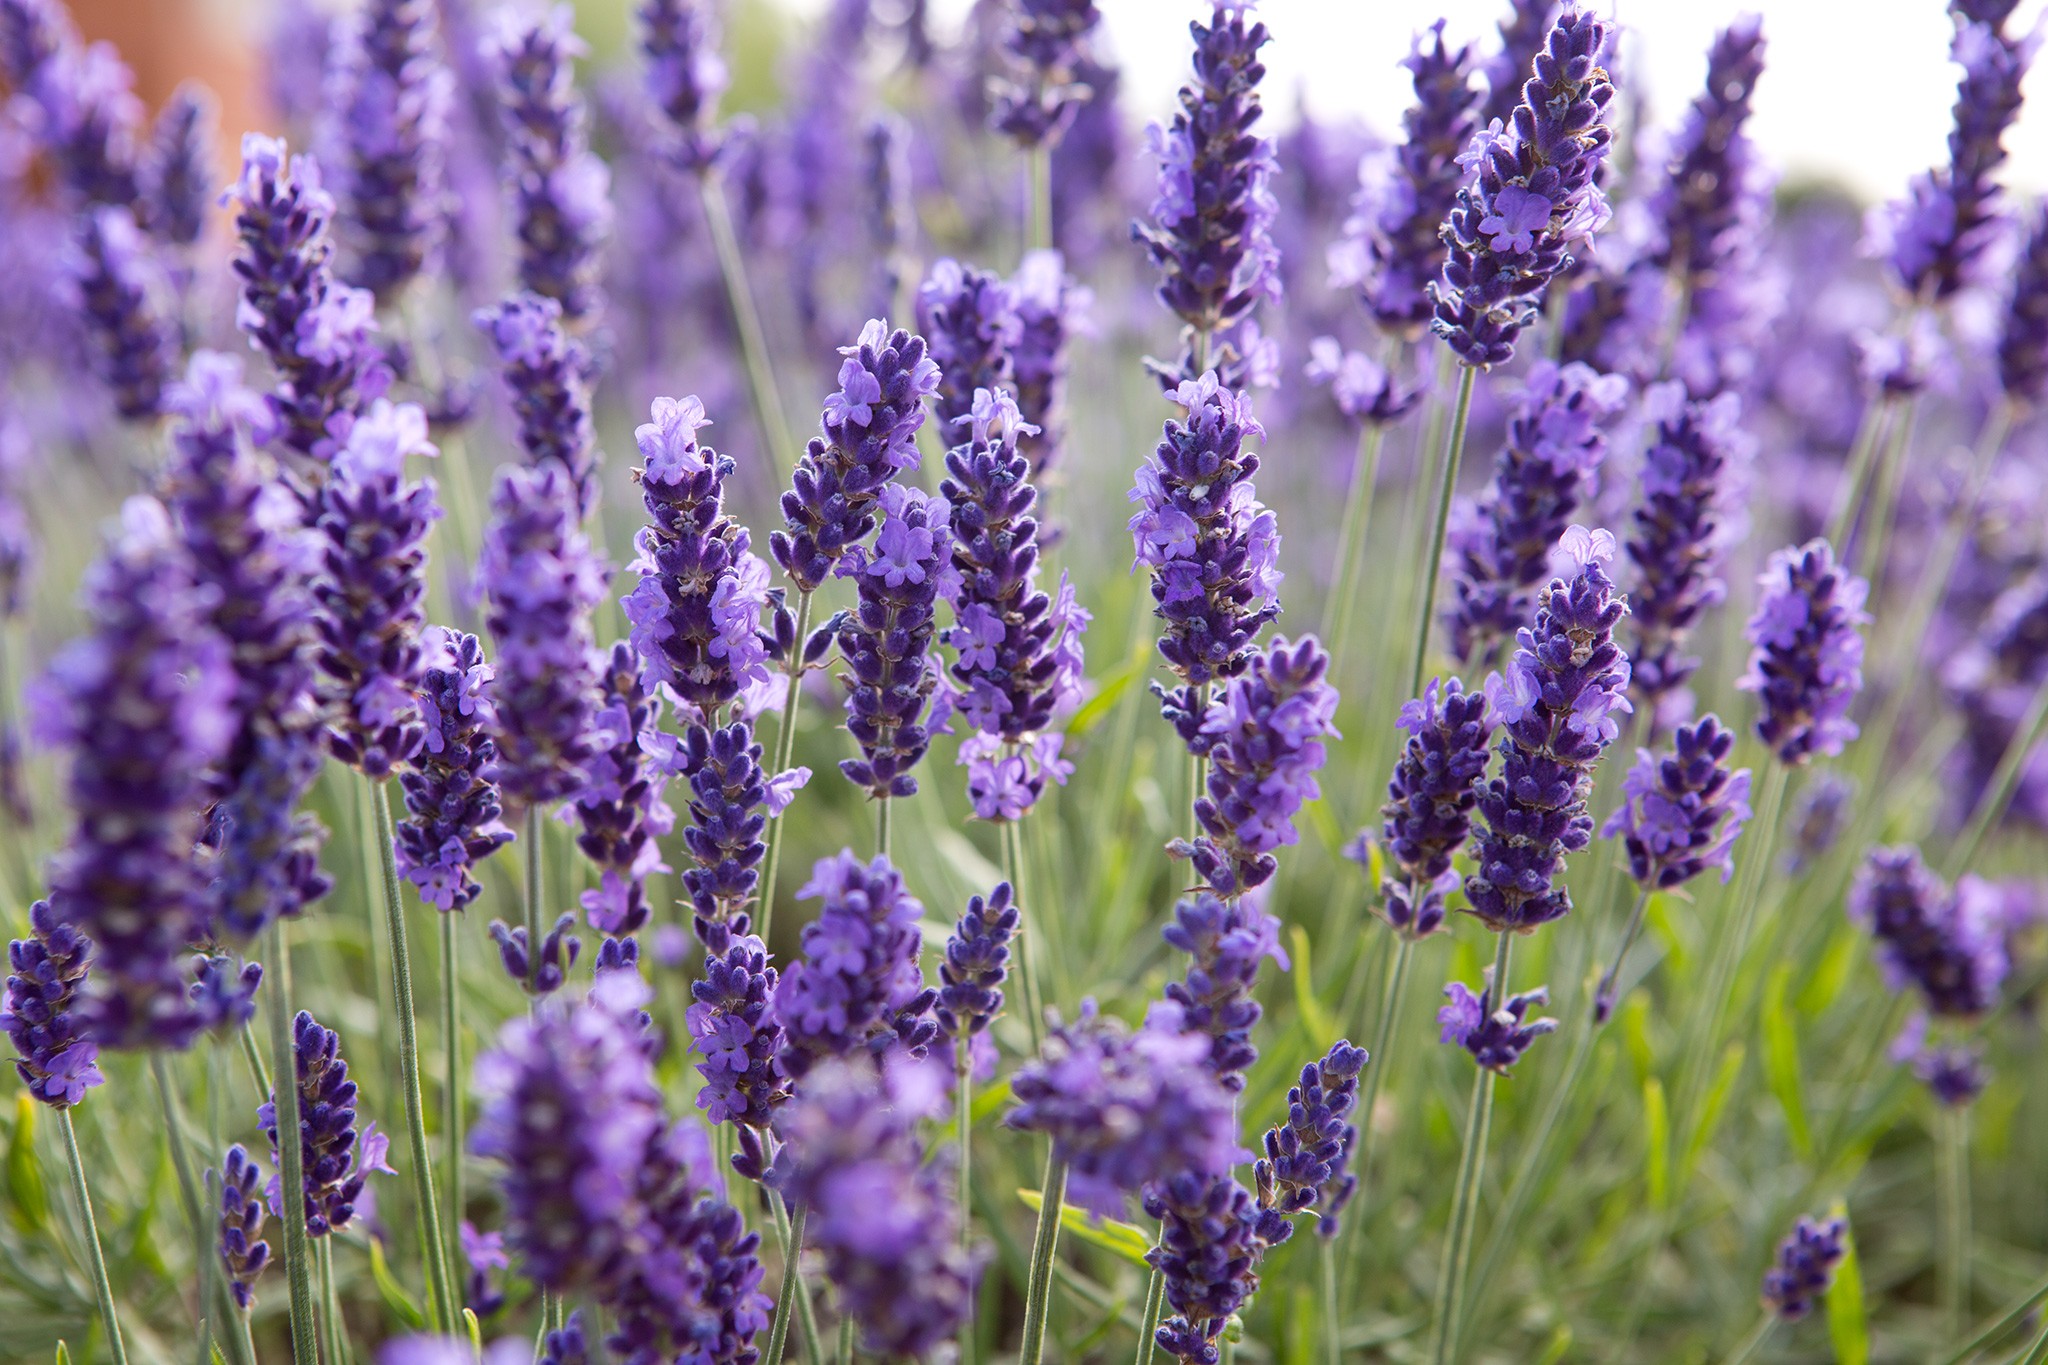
(1806, 666)
(1805, 1268)
(392, 92)
(1307, 1161)
(1705, 207)
(1225, 941)
(1682, 811)
(558, 950)
(451, 794)
(334, 1156)
(1495, 1036)
(544, 371)
(886, 642)
(567, 1345)
(123, 298)
(1430, 799)
(54, 1057)
(243, 1252)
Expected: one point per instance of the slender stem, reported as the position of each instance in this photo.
(963, 1118)
(2037, 1350)
(1754, 1342)
(1333, 1328)
(1446, 488)
(333, 1336)
(785, 750)
(291, 1170)
(102, 1288)
(844, 1355)
(451, 1083)
(428, 1211)
(1011, 839)
(534, 892)
(259, 1071)
(245, 1338)
(1148, 1323)
(1857, 474)
(1351, 546)
(1392, 992)
(1870, 554)
(1038, 226)
(2005, 781)
(1953, 1139)
(789, 1231)
(739, 294)
(188, 1194)
(884, 808)
(1457, 1257)
(1038, 1289)
(1603, 995)
(2007, 1318)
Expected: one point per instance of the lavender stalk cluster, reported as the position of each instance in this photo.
(886, 641)
(336, 1157)
(620, 813)
(858, 990)
(1211, 232)
(1805, 1267)
(239, 1227)
(1548, 465)
(1682, 811)
(53, 1054)
(1992, 681)
(733, 1023)
(124, 298)
(453, 810)
(1263, 738)
(1045, 47)
(1431, 797)
(560, 191)
(1557, 705)
(1212, 1235)
(1806, 664)
(1306, 1168)
(1534, 195)
(970, 320)
(546, 375)
(974, 967)
(1706, 206)
(391, 94)
(685, 76)
(1225, 942)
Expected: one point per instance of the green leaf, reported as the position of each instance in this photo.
(1781, 1059)
(1829, 979)
(63, 1350)
(28, 1195)
(476, 1332)
(1658, 916)
(1711, 1110)
(1109, 690)
(1656, 1142)
(1321, 1024)
(395, 1298)
(965, 859)
(1560, 1342)
(1123, 1239)
(1635, 1033)
(1848, 1329)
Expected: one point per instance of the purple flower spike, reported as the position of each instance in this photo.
(1705, 207)
(886, 641)
(2023, 345)
(1046, 45)
(1264, 741)
(178, 174)
(1364, 390)
(685, 75)
(81, 103)
(731, 798)
(732, 1021)
(544, 373)
(1211, 232)
(969, 317)
(392, 96)
(882, 1214)
(1992, 681)
(1555, 444)
(1225, 941)
(336, 1158)
(858, 989)
(1126, 1109)
(1953, 1073)
(620, 812)
(451, 795)
(1950, 944)
(1521, 39)
(1496, 1038)
(1430, 799)
(1535, 195)
(1556, 706)
(1306, 1166)
(482, 1253)
(123, 298)
(1051, 310)
(568, 1345)
(143, 704)
(543, 582)
(243, 1252)
(560, 191)
(1807, 664)
(1212, 1235)
(1681, 812)
(1805, 1267)
(53, 1056)
(371, 597)
(558, 950)
(1818, 819)
(870, 433)
(1691, 474)
(1212, 548)
(977, 962)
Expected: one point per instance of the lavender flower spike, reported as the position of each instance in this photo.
(1806, 666)
(1051, 310)
(1495, 1036)
(1521, 40)
(1045, 45)
(1805, 1267)
(886, 642)
(178, 172)
(1704, 206)
(1535, 194)
(451, 794)
(619, 812)
(1556, 706)
(732, 1022)
(969, 318)
(53, 1056)
(543, 581)
(1681, 812)
(558, 950)
(123, 298)
(544, 372)
(143, 705)
(1948, 943)
(2023, 345)
(1430, 799)
(1305, 1169)
(336, 1158)
(858, 988)
(1225, 941)
(685, 75)
(1212, 1235)
(243, 1252)
(731, 798)
(392, 92)
(976, 963)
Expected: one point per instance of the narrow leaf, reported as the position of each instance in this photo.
(1123, 1239)
(1711, 1110)
(1781, 1059)
(1560, 1343)
(28, 1195)
(1848, 1328)
(476, 1333)
(1656, 1142)
(1322, 1025)
(395, 1298)
(1825, 986)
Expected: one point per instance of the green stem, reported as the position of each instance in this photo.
(1351, 546)
(2009, 1317)
(1857, 474)
(1446, 488)
(206, 1263)
(1953, 1140)
(1392, 993)
(844, 1355)
(1010, 837)
(1603, 995)
(1754, 1342)
(451, 1084)
(1044, 1244)
(1333, 1328)
(1038, 226)
(1148, 1323)
(883, 809)
(428, 1211)
(259, 1072)
(785, 750)
(963, 1118)
(1870, 555)
(1457, 1257)
(739, 294)
(2005, 781)
(789, 1231)
(534, 892)
(291, 1171)
(102, 1288)
(333, 1333)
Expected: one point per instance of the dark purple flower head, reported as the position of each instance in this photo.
(1806, 666)
(567, 1345)
(391, 97)
(1953, 1072)
(1211, 232)
(543, 581)
(1051, 310)
(1495, 1036)
(1694, 467)
(1045, 46)
(1225, 941)
(882, 1214)
(558, 950)
(53, 1056)
(1556, 706)
(143, 703)
(1364, 390)
(977, 962)
(243, 1252)
(560, 191)
(733, 1024)
(886, 641)
(620, 812)
(544, 371)
(1126, 1108)
(1263, 738)
(1992, 681)
(2023, 344)
(224, 990)
(1521, 38)
(1705, 205)
(969, 319)
(732, 795)
(371, 596)
(1212, 1234)
(870, 430)
(335, 1157)
(1212, 548)
(482, 1253)
(858, 989)
(451, 793)
(1305, 1169)
(123, 298)
(1430, 799)
(178, 174)
(1805, 1268)
(1500, 553)
(1935, 237)
(1681, 811)
(685, 75)
(1534, 196)
(1950, 943)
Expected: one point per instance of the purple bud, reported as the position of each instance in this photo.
(1805, 1268)
(1806, 666)
(1044, 46)
(243, 1252)
(1430, 799)
(53, 1056)
(1225, 942)
(1681, 812)
(620, 812)
(1306, 1161)
(1496, 1037)
(334, 1157)
(1950, 944)
(886, 642)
